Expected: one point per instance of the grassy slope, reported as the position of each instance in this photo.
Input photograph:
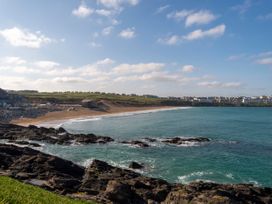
(15, 192)
(76, 97)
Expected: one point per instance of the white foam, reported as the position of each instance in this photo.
(188, 178)
(229, 175)
(87, 162)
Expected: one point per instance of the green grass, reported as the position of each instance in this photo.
(15, 192)
(76, 97)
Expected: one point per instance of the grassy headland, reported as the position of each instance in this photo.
(15, 192)
(77, 97)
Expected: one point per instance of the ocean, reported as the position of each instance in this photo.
(240, 150)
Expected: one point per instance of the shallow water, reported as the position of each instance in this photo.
(240, 150)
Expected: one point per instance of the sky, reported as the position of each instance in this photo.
(160, 47)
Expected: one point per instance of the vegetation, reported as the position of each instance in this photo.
(15, 192)
(77, 97)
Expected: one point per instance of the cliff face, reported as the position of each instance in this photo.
(103, 182)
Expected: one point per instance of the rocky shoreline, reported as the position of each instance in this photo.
(21, 135)
(102, 182)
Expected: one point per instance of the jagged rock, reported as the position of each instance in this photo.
(48, 135)
(200, 192)
(181, 140)
(136, 143)
(26, 164)
(119, 192)
(135, 165)
(108, 184)
(92, 104)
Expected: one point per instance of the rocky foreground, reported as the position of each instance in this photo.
(107, 184)
(102, 182)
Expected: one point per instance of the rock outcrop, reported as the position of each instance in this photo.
(135, 165)
(107, 184)
(49, 135)
(19, 134)
(182, 140)
(95, 105)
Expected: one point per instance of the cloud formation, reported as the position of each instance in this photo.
(117, 4)
(213, 32)
(188, 68)
(191, 17)
(23, 38)
(82, 11)
(128, 33)
(194, 35)
(217, 84)
(244, 7)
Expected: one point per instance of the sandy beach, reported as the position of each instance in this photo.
(81, 113)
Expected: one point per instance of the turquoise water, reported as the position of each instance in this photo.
(240, 150)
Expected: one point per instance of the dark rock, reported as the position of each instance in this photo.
(181, 140)
(49, 135)
(61, 130)
(135, 165)
(150, 139)
(92, 104)
(119, 192)
(26, 164)
(108, 184)
(200, 192)
(136, 143)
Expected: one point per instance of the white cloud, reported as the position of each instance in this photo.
(95, 44)
(242, 8)
(46, 64)
(107, 31)
(188, 68)
(117, 4)
(160, 77)
(128, 33)
(265, 17)
(162, 9)
(23, 38)
(195, 35)
(179, 15)
(12, 61)
(200, 17)
(236, 57)
(82, 11)
(106, 61)
(104, 12)
(137, 68)
(172, 40)
(213, 32)
(217, 84)
(265, 61)
(69, 80)
(193, 17)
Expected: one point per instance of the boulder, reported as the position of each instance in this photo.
(135, 165)
(136, 143)
(183, 140)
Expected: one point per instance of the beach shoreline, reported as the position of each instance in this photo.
(58, 117)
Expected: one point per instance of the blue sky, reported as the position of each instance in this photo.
(167, 48)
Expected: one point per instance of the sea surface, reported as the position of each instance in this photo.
(240, 150)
